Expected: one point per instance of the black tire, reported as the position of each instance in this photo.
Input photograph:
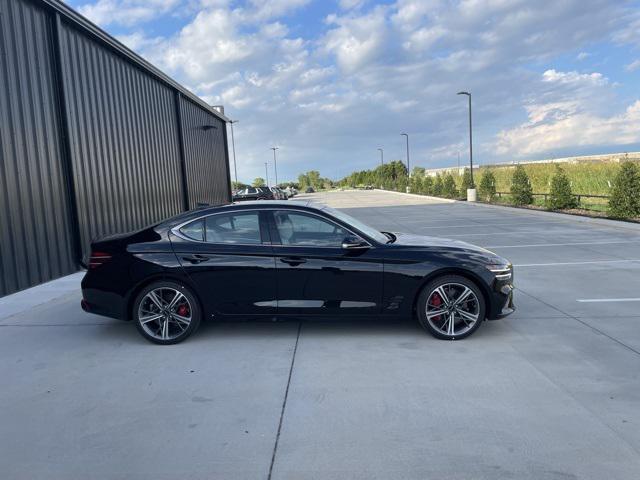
(175, 333)
(439, 325)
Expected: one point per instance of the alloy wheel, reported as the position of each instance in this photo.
(452, 309)
(164, 313)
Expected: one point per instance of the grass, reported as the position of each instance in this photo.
(588, 178)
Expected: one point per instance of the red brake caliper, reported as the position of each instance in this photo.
(436, 301)
(183, 310)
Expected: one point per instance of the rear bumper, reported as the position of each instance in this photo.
(108, 304)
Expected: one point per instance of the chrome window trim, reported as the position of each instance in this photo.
(176, 230)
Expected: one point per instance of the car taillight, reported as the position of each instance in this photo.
(98, 258)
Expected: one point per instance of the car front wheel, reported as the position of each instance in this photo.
(451, 307)
(166, 312)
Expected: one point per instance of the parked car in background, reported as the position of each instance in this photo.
(278, 194)
(309, 190)
(254, 193)
(290, 259)
(292, 192)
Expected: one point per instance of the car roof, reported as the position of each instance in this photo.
(249, 205)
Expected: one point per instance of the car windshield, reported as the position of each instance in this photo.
(363, 227)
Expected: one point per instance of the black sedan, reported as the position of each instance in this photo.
(290, 259)
(254, 193)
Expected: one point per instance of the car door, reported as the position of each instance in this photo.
(315, 274)
(228, 257)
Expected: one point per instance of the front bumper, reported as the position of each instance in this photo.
(507, 302)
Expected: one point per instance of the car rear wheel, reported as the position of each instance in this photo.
(166, 312)
(451, 307)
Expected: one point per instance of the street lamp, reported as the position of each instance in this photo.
(233, 146)
(473, 185)
(275, 165)
(381, 156)
(266, 171)
(408, 167)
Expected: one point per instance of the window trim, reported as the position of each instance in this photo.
(263, 241)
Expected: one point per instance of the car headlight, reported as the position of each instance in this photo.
(502, 271)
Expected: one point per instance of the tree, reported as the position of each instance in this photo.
(487, 188)
(258, 182)
(560, 196)
(437, 186)
(449, 189)
(238, 185)
(466, 181)
(521, 192)
(625, 193)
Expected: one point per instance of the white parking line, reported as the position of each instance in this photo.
(598, 300)
(574, 263)
(562, 244)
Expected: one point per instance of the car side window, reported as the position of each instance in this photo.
(300, 229)
(194, 230)
(236, 227)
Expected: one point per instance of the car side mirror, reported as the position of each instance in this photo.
(354, 243)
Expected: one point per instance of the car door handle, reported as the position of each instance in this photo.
(293, 261)
(196, 258)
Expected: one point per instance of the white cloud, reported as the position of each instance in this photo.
(329, 98)
(582, 56)
(570, 130)
(355, 40)
(126, 12)
(633, 66)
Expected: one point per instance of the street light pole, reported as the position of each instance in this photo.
(233, 146)
(381, 156)
(266, 171)
(275, 165)
(470, 138)
(408, 166)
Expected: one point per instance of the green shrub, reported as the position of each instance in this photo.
(625, 193)
(437, 186)
(487, 188)
(521, 192)
(449, 189)
(416, 183)
(427, 186)
(560, 196)
(466, 181)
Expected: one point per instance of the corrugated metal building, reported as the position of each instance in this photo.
(93, 140)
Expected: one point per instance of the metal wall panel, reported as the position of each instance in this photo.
(205, 152)
(124, 140)
(35, 238)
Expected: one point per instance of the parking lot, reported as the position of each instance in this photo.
(551, 392)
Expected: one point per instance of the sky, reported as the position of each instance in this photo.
(329, 82)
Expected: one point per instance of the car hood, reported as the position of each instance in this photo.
(410, 240)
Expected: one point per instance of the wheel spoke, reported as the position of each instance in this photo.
(463, 296)
(181, 319)
(150, 318)
(443, 295)
(452, 324)
(467, 316)
(177, 297)
(435, 313)
(165, 329)
(155, 299)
